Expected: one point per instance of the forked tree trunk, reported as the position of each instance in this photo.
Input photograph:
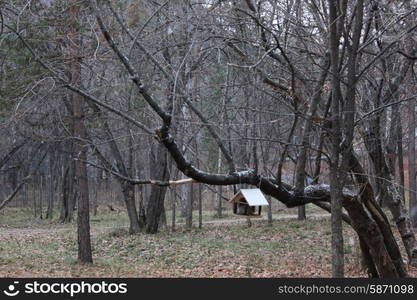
(389, 193)
(368, 231)
(367, 260)
(376, 217)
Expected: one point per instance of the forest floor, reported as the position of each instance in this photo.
(222, 248)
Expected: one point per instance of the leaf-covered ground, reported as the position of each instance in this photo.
(288, 248)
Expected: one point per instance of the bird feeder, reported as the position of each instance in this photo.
(248, 202)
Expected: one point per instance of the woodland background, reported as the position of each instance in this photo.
(139, 113)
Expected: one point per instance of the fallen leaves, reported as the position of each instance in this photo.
(286, 249)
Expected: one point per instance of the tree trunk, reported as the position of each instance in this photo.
(368, 231)
(270, 218)
(412, 163)
(189, 200)
(336, 182)
(305, 137)
(389, 192)
(163, 220)
(69, 195)
(401, 161)
(219, 205)
(367, 260)
(40, 191)
(159, 171)
(142, 209)
(50, 209)
(80, 145)
(183, 201)
(200, 206)
(173, 207)
(367, 195)
(50, 185)
(129, 197)
(336, 224)
(96, 195)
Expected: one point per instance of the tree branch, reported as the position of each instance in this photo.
(13, 194)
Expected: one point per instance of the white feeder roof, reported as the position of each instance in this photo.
(253, 197)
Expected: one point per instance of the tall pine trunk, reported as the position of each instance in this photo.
(80, 145)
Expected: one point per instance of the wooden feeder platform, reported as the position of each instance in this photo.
(246, 201)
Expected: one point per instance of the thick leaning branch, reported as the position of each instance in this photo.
(132, 181)
(288, 197)
(281, 192)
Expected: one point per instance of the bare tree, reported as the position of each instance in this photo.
(252, 93)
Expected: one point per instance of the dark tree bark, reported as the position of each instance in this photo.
(369, 231)
(50, 185)
(189, 203)
(128, 190)
(173, 196)
(200, 206)
(159, 171)
(336, 174)
(412, 185)
(307, 127)
(80, 144)
(69, 195)
(389, 193)
(367, 195)
(411, 49)
(219, 202)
